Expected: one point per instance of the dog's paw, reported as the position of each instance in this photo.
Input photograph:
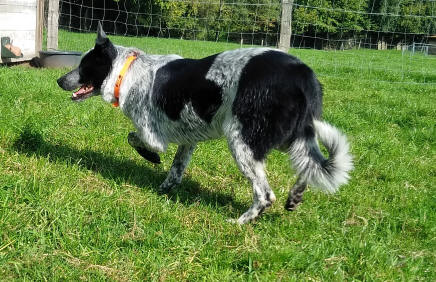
(149, 155)
(136, 143)
(291, 204)
(161, 191)
(166, 187)
(134, 140)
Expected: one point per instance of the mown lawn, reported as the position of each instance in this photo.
(76, 202)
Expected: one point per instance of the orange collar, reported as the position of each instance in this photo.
(123, 71)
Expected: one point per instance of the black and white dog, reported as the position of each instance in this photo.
(258, 98)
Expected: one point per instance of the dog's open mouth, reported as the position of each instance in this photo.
(84, 92)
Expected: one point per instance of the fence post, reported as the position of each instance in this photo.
(285, 25)
(52, 26)
(39, 26)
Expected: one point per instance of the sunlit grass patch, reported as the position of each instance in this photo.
(76, 201)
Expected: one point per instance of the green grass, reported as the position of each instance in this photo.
(76, 202)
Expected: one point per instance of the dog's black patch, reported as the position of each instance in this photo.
(277, 98)
(148, 155)
(97, 64)
(182, 81)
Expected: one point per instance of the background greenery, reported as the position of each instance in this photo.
(77, 203)
(255, 20)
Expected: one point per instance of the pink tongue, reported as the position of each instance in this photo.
(83, 90)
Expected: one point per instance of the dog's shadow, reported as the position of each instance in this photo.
(31, 142)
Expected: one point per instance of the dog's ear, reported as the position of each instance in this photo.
(103, 44)
(101, 35)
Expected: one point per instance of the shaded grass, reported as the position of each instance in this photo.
(76, 202)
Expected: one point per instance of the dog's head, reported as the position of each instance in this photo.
(93, 69)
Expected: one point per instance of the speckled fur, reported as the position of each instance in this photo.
(156, 128)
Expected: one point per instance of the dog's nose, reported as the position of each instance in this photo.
(59, 81)
(69, 81)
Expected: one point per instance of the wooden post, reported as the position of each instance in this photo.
(39, 26)
(285, 25)
(52, 25)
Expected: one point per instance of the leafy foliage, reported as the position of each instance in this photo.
(255, 20)
(222, 20)
(218, 19)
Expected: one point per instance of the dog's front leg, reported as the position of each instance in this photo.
(180, 162)
(139, 146)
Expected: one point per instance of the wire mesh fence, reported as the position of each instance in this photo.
(330, 25)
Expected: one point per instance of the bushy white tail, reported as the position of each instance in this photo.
(312, 167)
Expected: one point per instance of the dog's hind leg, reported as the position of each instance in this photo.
(180, 162)
(254, 171)
(137, 144)
(295, 195)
